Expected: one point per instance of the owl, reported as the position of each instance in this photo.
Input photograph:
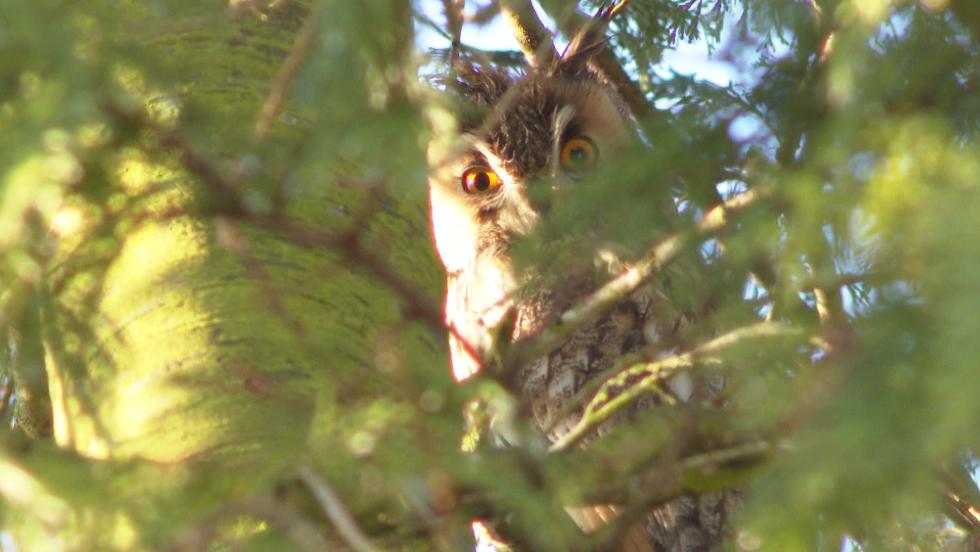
(527, 139)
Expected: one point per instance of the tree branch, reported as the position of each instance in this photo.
(453, 10)
(347, 244)
(531, 34)
(603, 405)
(717, 469)
(962, 499)
(287, 73)
(617, 289)
(335, 511)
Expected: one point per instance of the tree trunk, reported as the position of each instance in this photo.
(184, 332)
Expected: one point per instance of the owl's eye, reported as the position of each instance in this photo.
(480, 180)
(578, 154)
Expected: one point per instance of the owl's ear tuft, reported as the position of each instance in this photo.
(477, 87)
(588, 41)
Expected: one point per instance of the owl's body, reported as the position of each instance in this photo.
(528, 139)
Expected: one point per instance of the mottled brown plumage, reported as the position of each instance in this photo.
(520, 127)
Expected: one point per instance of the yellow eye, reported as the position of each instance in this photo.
(578, 154)
(480, 180)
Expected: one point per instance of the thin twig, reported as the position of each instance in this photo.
(619, 7)
(739, 456)
(347, 244)
(721, 468)
(191, 160)
(335, 511)
(5, 389)
(829, 303)
(603, 405)
(823, 305)
(453, 10)
(966, 514)
(432, 25)
(962, 498)
(287, 73)
(617, 289)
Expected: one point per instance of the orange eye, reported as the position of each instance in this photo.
(578, 154)
(480, 180)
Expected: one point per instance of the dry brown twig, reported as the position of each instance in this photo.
(453, 10)
(617, 9)
(5, 389)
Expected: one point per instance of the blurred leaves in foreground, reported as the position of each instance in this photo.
(221, 311)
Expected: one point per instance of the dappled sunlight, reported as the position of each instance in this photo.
(729, 248)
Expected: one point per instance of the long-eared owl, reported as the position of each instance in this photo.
(527, 139)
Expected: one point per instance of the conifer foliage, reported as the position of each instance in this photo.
(221, 311)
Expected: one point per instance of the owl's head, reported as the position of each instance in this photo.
(522, 141)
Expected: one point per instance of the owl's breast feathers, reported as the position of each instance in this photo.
(686, 524)
(552, 380)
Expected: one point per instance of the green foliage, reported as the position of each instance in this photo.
(221, 310)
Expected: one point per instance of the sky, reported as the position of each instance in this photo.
(687, 58)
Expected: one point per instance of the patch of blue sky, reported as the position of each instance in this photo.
(493, 35)
(694, 59)
(700, 60)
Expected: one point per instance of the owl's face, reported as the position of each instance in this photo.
(525, 142)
